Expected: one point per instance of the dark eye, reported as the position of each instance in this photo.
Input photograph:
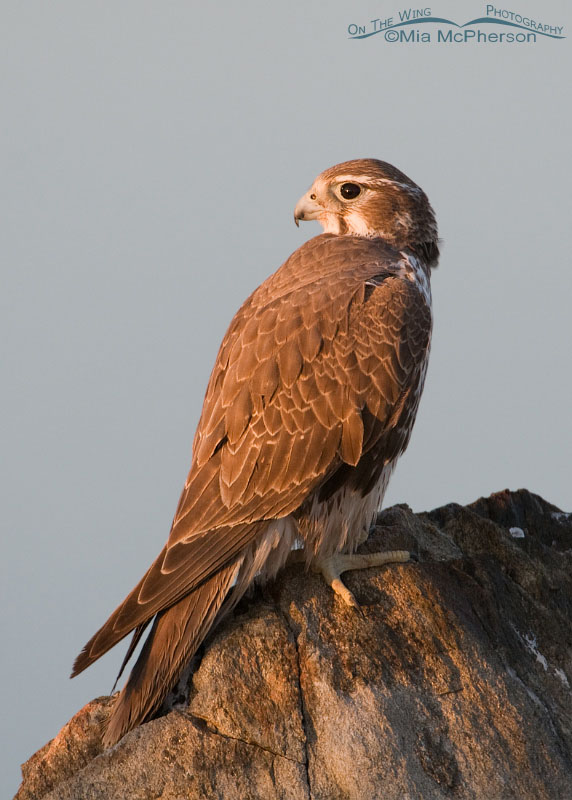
(349, 190)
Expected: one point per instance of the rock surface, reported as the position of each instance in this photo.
(454, 683)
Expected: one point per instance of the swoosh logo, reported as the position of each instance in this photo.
(478, 21)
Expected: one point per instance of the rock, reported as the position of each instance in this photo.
(78, 743)
(454, 683)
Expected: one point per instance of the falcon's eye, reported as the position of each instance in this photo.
(349, 190)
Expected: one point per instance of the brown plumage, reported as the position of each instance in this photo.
(311, 400)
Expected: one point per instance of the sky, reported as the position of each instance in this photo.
(152, 156)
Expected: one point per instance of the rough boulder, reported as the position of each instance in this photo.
(454, 682)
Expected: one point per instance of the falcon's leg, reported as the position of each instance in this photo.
(365, 534)
(332, 567)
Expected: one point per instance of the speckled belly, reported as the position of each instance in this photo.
(342, 522)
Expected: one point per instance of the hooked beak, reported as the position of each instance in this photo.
(307, 208)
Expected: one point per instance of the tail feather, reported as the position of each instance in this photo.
(135, 639)
(176, 634)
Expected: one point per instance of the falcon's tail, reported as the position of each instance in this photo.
(176, 634)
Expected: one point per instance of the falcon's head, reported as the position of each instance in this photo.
(371, 198)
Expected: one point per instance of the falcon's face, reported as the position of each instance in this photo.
(369, 198)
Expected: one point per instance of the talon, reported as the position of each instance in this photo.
(342, 590)
(355, 605)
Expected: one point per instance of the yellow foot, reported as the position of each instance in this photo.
(332, 567)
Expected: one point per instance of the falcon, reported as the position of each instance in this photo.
(311, 401)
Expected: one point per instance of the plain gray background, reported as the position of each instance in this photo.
(153, 154)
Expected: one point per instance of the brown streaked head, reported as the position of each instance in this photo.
(371, 198)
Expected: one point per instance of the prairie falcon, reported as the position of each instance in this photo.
(311, 401)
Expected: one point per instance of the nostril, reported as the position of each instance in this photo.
(312, 197)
